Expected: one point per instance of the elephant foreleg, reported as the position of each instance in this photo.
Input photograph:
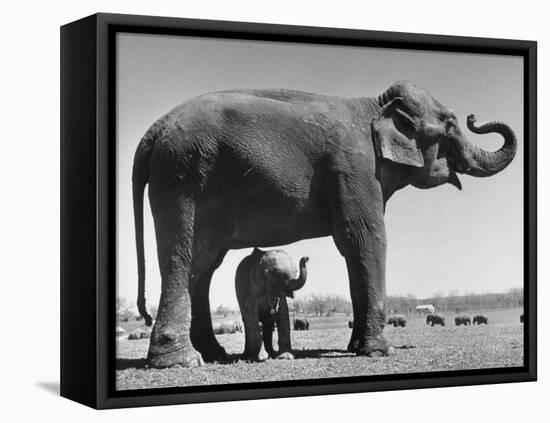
(361, 239)
(253, 338)
(267, 335)
(283, 330)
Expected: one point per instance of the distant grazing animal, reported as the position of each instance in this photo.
(139, 334)
(301, 324)
(479, 319)
(350, 324)
(435, 319)
(263, 281)
(463, 320)
(227, 327)
(397, 320)
(521, 318)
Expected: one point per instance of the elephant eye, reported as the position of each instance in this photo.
(450, 125)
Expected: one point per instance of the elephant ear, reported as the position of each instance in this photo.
(394, 135)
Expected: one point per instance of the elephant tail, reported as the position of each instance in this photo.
(140, 177)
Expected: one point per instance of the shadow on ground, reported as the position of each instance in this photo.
(51, 387)
(139, 363)
(130, 363)
(322, 353)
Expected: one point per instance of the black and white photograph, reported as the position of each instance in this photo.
(299, 211)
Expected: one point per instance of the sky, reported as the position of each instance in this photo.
(439, 240)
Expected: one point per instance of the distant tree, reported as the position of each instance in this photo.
(223, 311)
(123, 312)
(121, 305)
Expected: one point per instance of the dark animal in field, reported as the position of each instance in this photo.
(140, 333)
(479, 319)
(350, 324)
(263, 281)
(301, 324)
(244, 168)
(521, 318)
(397, 320)
(227, 327)
(463, 320)
(435, 319)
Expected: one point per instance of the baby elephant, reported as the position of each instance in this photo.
(435, 319)
(479, 319)
(463, 320)
(397, 320)
(263, 281)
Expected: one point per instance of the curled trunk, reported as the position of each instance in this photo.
(481, 163)
(296, 284)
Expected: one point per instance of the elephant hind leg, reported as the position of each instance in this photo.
(170, 339)
(248, 304)
(202, 334)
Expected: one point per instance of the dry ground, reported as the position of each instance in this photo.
(320, 353)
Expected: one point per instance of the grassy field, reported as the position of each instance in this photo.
(320, 353)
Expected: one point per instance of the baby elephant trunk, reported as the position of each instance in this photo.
(298, 283)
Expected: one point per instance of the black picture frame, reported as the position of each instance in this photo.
(88, 218)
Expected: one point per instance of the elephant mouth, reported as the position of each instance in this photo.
(274, 302)
(454, 169)
(453, 180)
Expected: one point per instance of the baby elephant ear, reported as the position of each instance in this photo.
(394, 135)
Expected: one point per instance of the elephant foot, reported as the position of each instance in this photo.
(184, 357)
(217, 353)
(255, 358)
(168, 349)
(371, 347)
(285, 356)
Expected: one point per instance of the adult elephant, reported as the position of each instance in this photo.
(263, 281)
(301, 324)
(463, 320)
(397, 320)
(245, 168)
(480, 319)
(435, 319)
(227, 327)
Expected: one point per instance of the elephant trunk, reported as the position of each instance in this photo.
(296, 284)
(481, 163)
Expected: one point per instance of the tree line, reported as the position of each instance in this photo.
(327, 305)
(456, 303)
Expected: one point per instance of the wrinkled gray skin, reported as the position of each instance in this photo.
(435, 319)
(245, 168)
(263, 281)
(397, 320)
(479, 319)
(463, 320)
